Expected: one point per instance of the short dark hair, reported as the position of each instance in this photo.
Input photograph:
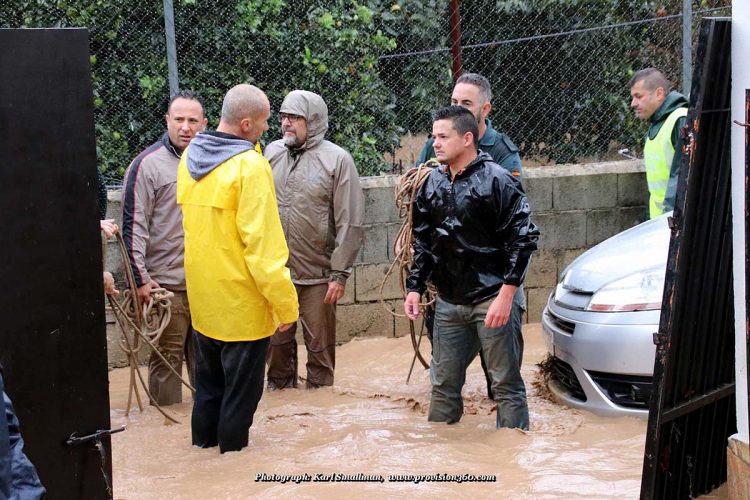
(186, 94)
(652, 79)
(461, 118)
(485, 90)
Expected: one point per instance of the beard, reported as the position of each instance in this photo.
(291, 140)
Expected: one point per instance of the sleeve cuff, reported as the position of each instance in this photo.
(339, 277)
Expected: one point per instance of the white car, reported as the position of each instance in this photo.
(600, 322)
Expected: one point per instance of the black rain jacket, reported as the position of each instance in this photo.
(473, 234)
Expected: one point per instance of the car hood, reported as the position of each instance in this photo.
(642, 247)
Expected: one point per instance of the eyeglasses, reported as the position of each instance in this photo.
(291, 118)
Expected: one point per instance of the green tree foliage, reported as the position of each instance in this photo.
(277, 45)
(566, 98)
(381, 65)
(281, 46)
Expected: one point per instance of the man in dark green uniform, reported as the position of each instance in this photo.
(473, 92)
(667, 112)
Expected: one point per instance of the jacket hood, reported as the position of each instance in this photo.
(208, 150)
(313, 108)
(673, 101)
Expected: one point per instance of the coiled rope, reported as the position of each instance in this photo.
(406, 191)
(146, 323)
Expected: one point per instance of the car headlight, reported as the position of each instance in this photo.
(641, 291)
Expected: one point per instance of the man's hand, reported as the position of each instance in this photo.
(334, 293)
(411, 305)
(109, 284)
(144, 292)
(108, 227)
(285, 326)
(499, 311)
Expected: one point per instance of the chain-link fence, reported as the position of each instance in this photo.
(559, 68)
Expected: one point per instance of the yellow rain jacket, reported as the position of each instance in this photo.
(238, 284)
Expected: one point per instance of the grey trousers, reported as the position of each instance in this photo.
(175, 344)
(318, 321)
(458, 335)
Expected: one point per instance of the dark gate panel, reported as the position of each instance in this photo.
(52, 335)
(692, 410)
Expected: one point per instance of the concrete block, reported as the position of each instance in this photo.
(632, 189)
(392, 233)
(601, 224)
(363, 320)
(583, 169)
(369, 280)
(374, 245)
(568, 256)
(351, 285)
(116, 357)
(114, 206)
(539, 192)
(632, 216)
(113, 261)
(584, 192)
(380, 205)
(543, 270)
(561, 229)
(401, 324)
(536, 301)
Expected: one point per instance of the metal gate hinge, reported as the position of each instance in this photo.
(660, 338)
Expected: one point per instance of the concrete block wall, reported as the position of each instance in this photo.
(575, 207)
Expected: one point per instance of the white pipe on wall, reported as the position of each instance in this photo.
(740, 82)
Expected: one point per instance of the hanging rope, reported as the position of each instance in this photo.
(406, 191)
(146, 324)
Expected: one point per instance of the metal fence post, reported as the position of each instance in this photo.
(174, 82)
(687, 45)
(455, 27)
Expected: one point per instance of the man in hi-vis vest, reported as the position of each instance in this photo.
(667, 111)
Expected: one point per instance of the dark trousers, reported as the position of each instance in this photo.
(318, 321)
(228, 388)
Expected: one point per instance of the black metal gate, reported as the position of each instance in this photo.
(52, 335)
(692, 410)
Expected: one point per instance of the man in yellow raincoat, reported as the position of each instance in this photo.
(238, 285)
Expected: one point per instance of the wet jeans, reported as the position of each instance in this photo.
(458, 336)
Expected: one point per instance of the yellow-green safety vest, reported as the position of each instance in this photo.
(657, 154)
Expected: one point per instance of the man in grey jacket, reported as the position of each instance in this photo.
(153, 236)
(321, 205)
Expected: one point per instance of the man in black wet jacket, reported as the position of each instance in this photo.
(473, 240)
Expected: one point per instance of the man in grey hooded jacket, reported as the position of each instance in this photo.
(321, 205)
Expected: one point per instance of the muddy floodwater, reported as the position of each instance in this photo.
(372, 426)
